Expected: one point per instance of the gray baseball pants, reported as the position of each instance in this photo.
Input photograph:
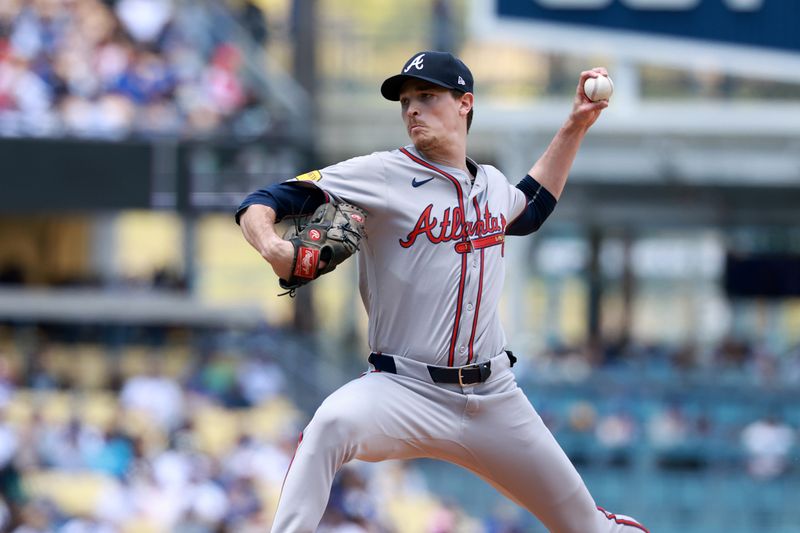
(490, 428)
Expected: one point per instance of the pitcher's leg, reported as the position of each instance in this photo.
(373, 418)
(518, 455)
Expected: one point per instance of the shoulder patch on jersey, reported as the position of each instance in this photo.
(314, 175)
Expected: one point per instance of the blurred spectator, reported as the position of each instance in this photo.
(115, 505)
(207, 501)
(733, 352)
(449, 517)
(7, 386)
(32, 438)
(9, 475)
(114, 454)
(144, 20)
(443, 520)
(243, 502)
(790, 371)
(577, 437)
(765, 365)
(85, 525)
(505, 518)
(668, 428)
(264, 461)
(5, 516)
(582, 417)
(615, 433)
(156, 395)
(260, 379)
(685, 358)
(674, 439)
(767, 442)
(152, 501)
(352, 498)
(217, 379)
(38, 516)
(69, 446)
(37, 375)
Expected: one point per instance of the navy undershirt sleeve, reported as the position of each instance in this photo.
(288, 199)
(540, 204)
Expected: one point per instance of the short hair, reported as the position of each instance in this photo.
(457, 95)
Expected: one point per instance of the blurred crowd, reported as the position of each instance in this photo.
(155, 436)
(203, 445)
(730, 407)
(734, 359)
(117, 68)
(160, 440)
(676, 436)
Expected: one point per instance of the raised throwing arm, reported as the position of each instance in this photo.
(552, 168)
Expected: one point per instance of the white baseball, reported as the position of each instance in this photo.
(599, 88)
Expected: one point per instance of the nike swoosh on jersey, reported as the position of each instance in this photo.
(415, 183)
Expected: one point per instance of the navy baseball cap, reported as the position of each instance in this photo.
(440, 68)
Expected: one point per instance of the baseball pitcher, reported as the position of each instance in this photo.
(431, 225)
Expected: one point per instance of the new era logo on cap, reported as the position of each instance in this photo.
(440, 68)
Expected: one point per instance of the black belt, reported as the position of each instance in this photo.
(463, 375)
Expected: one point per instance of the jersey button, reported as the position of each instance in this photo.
(462, 349)
(470, 307)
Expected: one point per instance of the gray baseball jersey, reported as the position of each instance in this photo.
(431, 274)
(431, 267)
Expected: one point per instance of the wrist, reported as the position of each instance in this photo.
(270, 246)
(572, 126)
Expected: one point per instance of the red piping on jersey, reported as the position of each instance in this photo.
(480, 290)
(624, 522)
(299, 441)
(464, 238)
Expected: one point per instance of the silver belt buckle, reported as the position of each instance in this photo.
(461, 375)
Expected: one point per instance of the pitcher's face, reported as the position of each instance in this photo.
(432, 114)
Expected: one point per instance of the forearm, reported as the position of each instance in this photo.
(552, 168)
(259, 212)
(258, 226)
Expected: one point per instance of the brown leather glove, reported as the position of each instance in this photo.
(331, 235)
